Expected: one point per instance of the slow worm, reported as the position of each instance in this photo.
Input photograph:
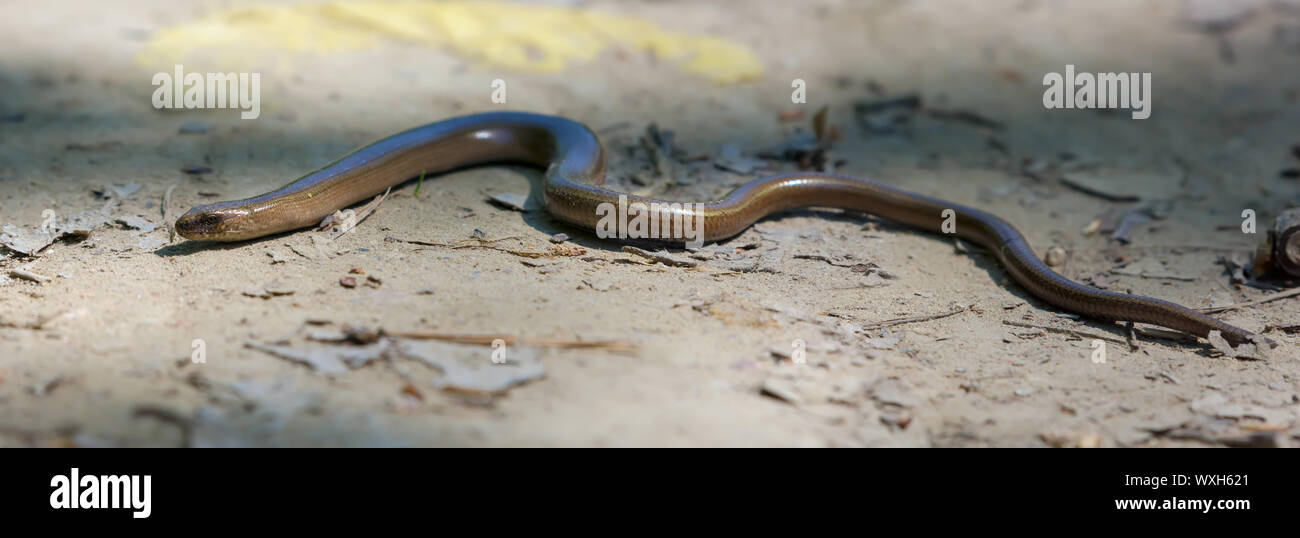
(575, 172)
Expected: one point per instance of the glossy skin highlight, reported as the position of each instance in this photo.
(575, 172)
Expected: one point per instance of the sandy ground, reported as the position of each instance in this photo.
(101, 354)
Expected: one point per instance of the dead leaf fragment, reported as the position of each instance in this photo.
(476, 369)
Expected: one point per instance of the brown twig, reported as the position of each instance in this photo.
(1154, 276)
(166, 214)
(361, 215)
(1071, 332)
(1151, 332)
(1266, 299)
(1216, 248)
(913, 319)
(487, 339)
(481, 244)
(1288, 329)
(663, 257)
(1093, 191)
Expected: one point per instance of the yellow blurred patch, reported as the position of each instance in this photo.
(531, 38)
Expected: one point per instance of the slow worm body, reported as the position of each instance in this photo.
(573, 192)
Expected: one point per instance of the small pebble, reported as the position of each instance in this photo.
(276, 288)
(1055, 257)
(348, 282)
